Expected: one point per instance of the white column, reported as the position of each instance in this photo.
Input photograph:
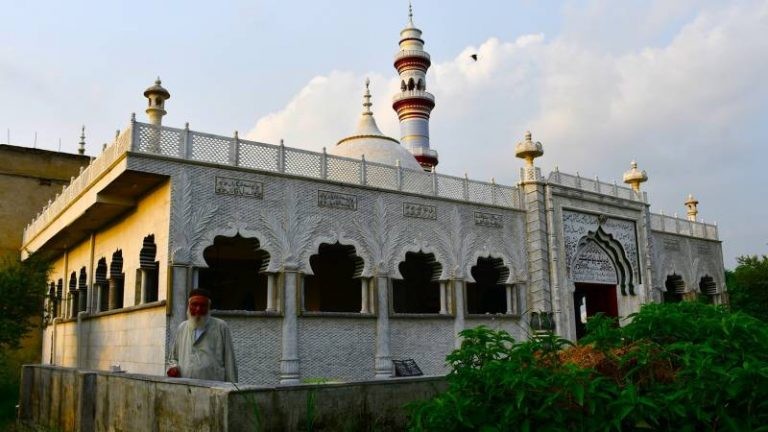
(289, 360)
(144, 285)
(271, 295)
(458, 322)
(443, 298)
(383, 361)
(365, 303)
(510, 305)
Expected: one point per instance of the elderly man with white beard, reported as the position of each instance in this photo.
(202, 347)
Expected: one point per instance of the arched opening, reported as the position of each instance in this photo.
(148, 272)
(116, 281)
(235, 275)
(675, 289)
(403, 87)
(102, 286)
(51, 310)
(419, 289)
(335, 285)
(598, 267)
(488, 294)
(72, 295)
(59, 296)
(708, 289)
(411, 84)
(420, 85)
(82, 291)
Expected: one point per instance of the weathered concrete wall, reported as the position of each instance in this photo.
(67, 400)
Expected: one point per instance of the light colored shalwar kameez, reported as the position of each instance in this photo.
(209, 356)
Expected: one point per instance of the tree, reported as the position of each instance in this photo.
(748, 286)
(22, 288)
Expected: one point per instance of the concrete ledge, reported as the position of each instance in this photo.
(67, 399)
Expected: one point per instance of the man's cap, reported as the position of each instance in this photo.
(200, 292)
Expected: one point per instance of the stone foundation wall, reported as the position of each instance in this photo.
(66, 399)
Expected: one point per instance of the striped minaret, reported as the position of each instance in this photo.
(414, 104)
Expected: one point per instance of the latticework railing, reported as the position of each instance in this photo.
(675, 225)
(186, 144)
(594, 185)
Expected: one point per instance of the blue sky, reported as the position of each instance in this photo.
(677, 84)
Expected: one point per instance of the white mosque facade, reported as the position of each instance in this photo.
(333, 264)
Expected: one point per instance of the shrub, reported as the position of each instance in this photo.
(685, 366)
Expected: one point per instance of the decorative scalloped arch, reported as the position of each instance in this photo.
(491, 253)
(337, 236)
(615, 252)
(417, 246)
(232, 229)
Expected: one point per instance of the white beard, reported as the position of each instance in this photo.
(197, 322)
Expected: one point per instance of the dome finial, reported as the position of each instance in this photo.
(635, 176)
(528, 149)
(410, 13)
(81, 147)
(367, 99)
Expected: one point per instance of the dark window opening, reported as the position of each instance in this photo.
(59, 296)
(235, 275)
(82, 291)
(419, 290)
(411, 84)
(72, 304)
(675, 289)
(335, 285)
(116, 281)
(708, 289)
(149, 270)
(488, 294)
(102, 286)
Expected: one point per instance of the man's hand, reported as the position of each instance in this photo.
(173, 372)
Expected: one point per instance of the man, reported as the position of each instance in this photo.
(202, 347)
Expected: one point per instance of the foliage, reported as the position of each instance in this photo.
(684, 366)
(748, 286)
(22, 287)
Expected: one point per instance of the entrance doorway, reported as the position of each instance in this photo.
(589, 299)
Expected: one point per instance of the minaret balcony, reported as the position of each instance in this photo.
(411, 53)
(413, 94)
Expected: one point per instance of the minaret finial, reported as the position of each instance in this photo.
(367, 99)
(410, 12)
(81, 146)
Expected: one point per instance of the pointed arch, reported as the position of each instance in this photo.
(418, 291)
(613, 249)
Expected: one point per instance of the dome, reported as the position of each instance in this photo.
(368, 141)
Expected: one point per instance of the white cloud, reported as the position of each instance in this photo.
(680, 107)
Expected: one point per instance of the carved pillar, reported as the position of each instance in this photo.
(510, 305)
(364, 300)
(289, 359)
(383, 361)
(271, 294)
(176, 305)
(115, 293)
(72, 312)
(533, 188)
(443, 298)
(458, 322)
(82, 303)
(142, 295)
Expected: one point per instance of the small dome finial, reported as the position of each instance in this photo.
(528, 149)
(367, 98)
(81, 146)
(157, 81)
(634, 176)
(691, 204)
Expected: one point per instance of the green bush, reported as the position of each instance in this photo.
(685, 366)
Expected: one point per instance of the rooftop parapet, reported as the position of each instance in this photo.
(187, 145)
(675, 225)
(596, 186)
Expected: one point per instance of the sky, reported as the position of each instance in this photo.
(678, 85)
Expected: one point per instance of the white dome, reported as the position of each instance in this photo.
(368, 141)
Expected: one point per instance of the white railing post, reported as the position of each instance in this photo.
(234, 148)
(597, 184)
(557, 175)
(186, 143)
(324, 165)
(281, 157)
(493, 190)
(134, 134)
(578, 180)
(399, 175)
(363, 173)
(434, 182)
(466, 187)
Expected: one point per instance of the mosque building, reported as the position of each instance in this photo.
(332, 264)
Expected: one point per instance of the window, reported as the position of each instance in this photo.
(116, 281)
(82, 291)
(708, 289)
(72, 300)
(419, 290)
(675, 289)
(102, 285)
(488, 294)
(335, 285)
(235, 274)
(147, 281)
(59, 297)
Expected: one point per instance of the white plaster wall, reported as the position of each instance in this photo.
(426, 340)
(257, 342)
(337, 348)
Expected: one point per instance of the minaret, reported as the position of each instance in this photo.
(691, 204)
(81, 145)
(156, 95)
(413, 104)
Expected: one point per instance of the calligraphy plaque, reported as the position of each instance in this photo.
(239, 187)
(491, 220)
(336, 200)
(593, 265)
(420, 211)
(671, 245)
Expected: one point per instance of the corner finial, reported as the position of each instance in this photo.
(634, 176)
(691, 204)
(528, 149)
(81, 147)
(367, 98)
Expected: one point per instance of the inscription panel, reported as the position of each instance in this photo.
(239, 187)
(336, 200)
(594, 266)
(576, 225)
(491, 220)
(421, 211)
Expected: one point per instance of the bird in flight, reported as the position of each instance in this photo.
(474, 57)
